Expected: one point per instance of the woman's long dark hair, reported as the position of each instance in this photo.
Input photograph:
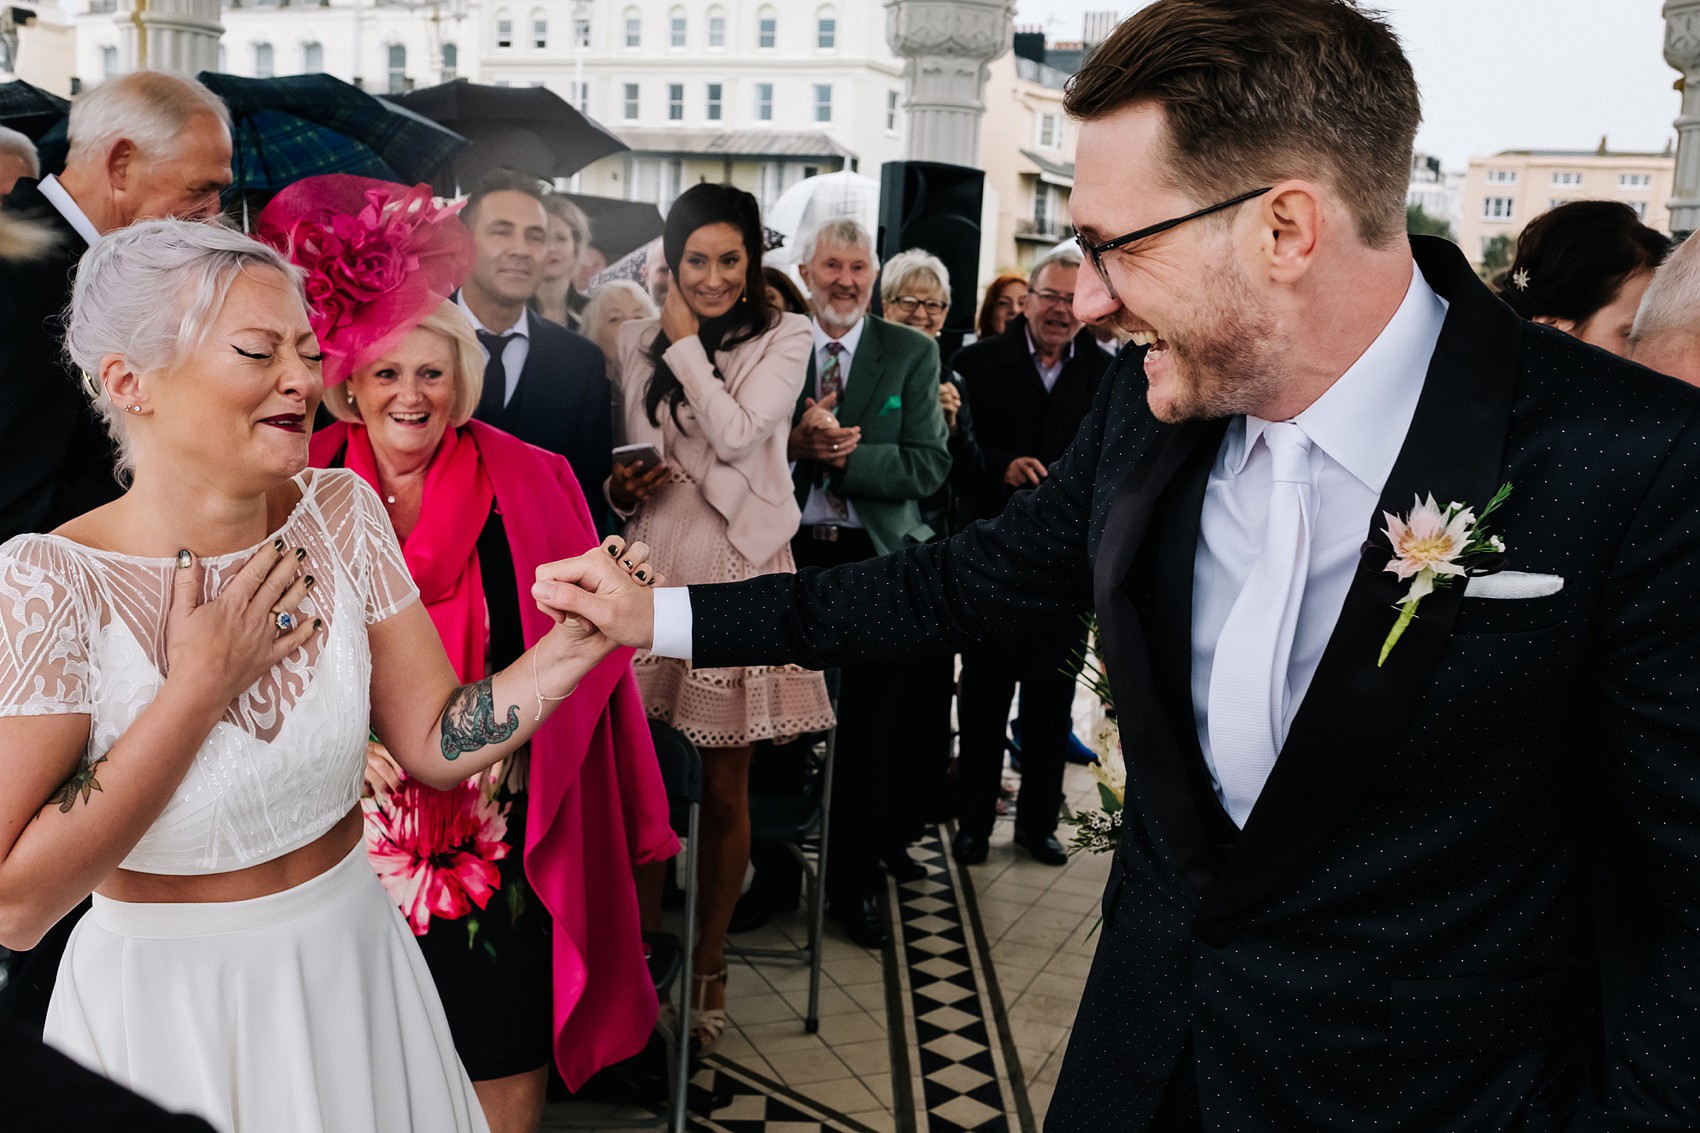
(1574, 259)
(697, 207)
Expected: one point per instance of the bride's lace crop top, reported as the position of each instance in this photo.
(83, 631)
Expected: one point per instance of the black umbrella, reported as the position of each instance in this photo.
(531, 129)
(30, 110)
(618, 227)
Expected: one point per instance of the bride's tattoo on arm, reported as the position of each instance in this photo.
(82, 783)
(469, 720)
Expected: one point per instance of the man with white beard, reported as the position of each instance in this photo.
(869, 442)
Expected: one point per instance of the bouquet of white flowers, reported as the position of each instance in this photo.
(1097, 831)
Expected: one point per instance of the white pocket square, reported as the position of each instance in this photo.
(1512, 584)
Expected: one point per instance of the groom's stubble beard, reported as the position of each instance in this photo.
(1232, 363)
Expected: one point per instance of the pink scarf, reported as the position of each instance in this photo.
(442, 549)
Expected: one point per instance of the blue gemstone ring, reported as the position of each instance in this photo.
(285, 621)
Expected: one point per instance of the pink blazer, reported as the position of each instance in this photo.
(735, 426)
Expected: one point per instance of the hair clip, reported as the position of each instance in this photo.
(1520, 279)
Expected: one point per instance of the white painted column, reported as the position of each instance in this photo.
(179, 36)
(946, 45)
(1682, 51)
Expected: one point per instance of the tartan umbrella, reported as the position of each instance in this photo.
(531, 129)
(30, 110)
(288, 128)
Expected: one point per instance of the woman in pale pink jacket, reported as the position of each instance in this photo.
(712, 385)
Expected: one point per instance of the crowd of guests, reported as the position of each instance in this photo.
(337, 736)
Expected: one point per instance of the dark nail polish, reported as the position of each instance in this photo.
(317, 624)
(613, 553)
(308, 582)
(278, 543)
(641, 576)
(300, 553)
(185, 560)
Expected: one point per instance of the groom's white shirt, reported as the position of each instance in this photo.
(1356, 428)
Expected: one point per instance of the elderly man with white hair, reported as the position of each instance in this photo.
(1666, 335)
(143, 146)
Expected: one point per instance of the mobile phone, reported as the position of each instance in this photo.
(646, 454)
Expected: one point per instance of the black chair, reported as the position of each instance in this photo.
(801, 824)
(681, 772)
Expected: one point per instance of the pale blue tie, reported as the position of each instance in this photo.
(1248, 679)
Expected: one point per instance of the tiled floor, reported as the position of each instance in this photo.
(882, 1059)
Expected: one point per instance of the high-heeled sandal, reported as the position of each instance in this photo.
(707, 1024)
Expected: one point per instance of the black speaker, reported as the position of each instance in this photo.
(936, 207)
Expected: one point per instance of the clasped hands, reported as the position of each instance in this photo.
(817, 436)
(608, 589)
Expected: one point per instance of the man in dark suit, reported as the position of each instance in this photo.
(1029, 388)
(543, 383)
(869, 442)
(143, 145)
(1450, 884)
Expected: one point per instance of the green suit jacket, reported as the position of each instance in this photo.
(892, 392)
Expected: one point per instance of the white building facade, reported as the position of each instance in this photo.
(384, 47)
(760, 93)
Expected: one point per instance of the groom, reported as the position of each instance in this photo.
(1458, 890)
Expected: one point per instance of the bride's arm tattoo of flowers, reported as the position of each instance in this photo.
(469, 720)
(82, 783)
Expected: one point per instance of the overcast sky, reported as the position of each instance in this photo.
(1506, 74)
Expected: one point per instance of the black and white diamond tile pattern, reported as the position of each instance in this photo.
(727, 1098)
(962, 1070)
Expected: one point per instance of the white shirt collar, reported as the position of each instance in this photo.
(521, 328)
(1382, 386)
(848, 342)
(60, 199)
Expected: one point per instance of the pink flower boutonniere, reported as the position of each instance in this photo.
(1432, 546)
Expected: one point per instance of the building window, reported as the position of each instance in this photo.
(108, 62)
(1640, 208)
(716, 29)
(631, 102)
(675, 102)
(576, 94)
(1042, 208)
(676, 29)
(891, 111)
(1050, 131)
(768, 184)
(263, 68)
(1566, 178)
(767, 29)
(1554, 202)
(1496, 208)
(581, 32)
(764, 102)
(504, 30)
(826, 33)
(398, 68)
(634, 29)
(713, 102)
(1634, 180)
(823, 102)
(1502, 176)
(539, 32)
(451, 62)
(312, 58)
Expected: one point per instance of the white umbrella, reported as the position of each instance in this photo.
(801, 209)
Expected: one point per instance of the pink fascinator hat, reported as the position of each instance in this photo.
(378, 258)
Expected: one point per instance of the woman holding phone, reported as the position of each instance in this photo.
(712, 385)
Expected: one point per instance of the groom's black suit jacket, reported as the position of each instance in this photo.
(1469, 895)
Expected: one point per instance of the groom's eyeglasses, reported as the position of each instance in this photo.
(1095, 252)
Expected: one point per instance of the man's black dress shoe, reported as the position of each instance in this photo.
(902, 868)
(862, 923)
(968, 847)
(755, 908)
(1046, 850)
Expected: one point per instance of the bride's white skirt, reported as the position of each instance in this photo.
(306, 1011)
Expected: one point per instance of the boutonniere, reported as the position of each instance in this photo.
(1433, 546)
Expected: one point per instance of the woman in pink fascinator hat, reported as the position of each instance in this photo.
(517, 882)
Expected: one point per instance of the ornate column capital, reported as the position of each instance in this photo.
(1682, 35)
(945, 45)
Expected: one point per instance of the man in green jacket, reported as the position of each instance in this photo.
(869, 442)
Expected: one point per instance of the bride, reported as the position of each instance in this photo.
(188, 676)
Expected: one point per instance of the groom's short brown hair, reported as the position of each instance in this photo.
(1258, 91)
